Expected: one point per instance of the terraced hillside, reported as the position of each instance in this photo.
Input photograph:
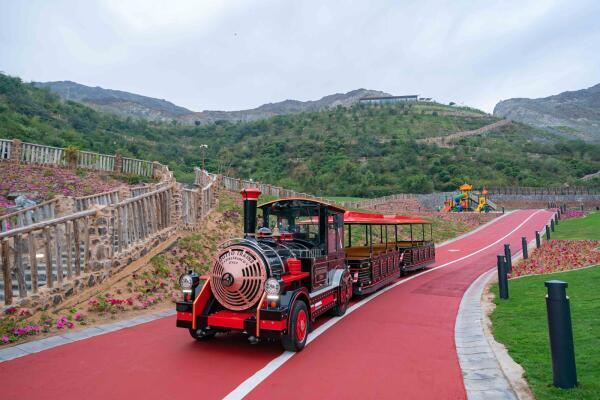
(362, 151)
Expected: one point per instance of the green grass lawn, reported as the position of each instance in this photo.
(520, 323)
(586, 228)
(340, 199)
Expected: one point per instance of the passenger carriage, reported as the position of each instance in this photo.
(275, 281)
(379, 248)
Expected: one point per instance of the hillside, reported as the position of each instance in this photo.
(128, 104)
(569, 114)
(362, 151)
(116, 101)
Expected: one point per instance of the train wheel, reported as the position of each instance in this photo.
(344, 295)
(200, 335)
(298, 332)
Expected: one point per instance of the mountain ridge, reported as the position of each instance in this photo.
(571, 114)
(128, 104)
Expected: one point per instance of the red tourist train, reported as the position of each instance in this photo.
(308, 258)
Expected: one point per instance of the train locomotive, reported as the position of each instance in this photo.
(274, 282)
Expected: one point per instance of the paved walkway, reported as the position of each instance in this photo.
(398, 343)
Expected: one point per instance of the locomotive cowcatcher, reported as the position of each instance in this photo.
(272, 284)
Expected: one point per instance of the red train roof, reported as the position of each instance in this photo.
(357, 217)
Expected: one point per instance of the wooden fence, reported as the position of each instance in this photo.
(136, 167)
(536, 191)
(40, 249)
(95, 161)
(43, 254)
(137, 218)
(5, 149)
(17, 151)
(197, 202)
(27, 216)
(103, 199)
(236, 185)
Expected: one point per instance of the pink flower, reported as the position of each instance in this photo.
(4, 339)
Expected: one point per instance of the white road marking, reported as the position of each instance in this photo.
(249, 384)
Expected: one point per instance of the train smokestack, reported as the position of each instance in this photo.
(250, 197)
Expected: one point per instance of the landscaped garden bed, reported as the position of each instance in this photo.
(40, 183)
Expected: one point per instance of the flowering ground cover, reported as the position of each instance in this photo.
(559, 255)
(572, 214)
(520, 323)
(43, 183)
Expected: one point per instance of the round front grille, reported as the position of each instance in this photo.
(238, 277)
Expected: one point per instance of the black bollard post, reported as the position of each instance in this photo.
(558, 214)
(556, 218)
(547, 232)
(582, 207)
(508, 260)
(524, 245)
(502, 278)
(537, 240)
(502, 209)
(552, 224)
(560, 331)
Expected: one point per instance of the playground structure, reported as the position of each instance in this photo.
(466, 200)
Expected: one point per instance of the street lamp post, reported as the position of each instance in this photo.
(203, 147)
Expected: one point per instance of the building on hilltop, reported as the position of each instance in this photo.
(389, 99)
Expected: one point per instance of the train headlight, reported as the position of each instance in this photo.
(272, 287)
(186, 282)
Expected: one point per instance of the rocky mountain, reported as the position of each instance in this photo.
(116, 101)
(134, 105)
(574, 114)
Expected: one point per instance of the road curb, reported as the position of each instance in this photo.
(36, 346)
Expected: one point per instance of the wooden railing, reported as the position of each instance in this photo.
(17, 151)
(40, 249)
(536, 191)
(236, 185)
(136, 167)
(95, 161)
(27, 216)
(196, 203)
(103, 199)
(5, 149)
(44, 155)
(137, 218)
(43, 254)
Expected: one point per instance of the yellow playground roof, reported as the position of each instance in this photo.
(466, 186)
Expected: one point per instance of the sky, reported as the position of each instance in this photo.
(231, 55)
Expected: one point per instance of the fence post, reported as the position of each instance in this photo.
(17, 148)
(118, 166)
(100, 235)
(547, 232)
(502, 278)
(537, 240)
(508, 256)
(560, 331)
(552, 224)
(524, 245)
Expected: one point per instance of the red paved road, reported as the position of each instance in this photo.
(400, 344)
